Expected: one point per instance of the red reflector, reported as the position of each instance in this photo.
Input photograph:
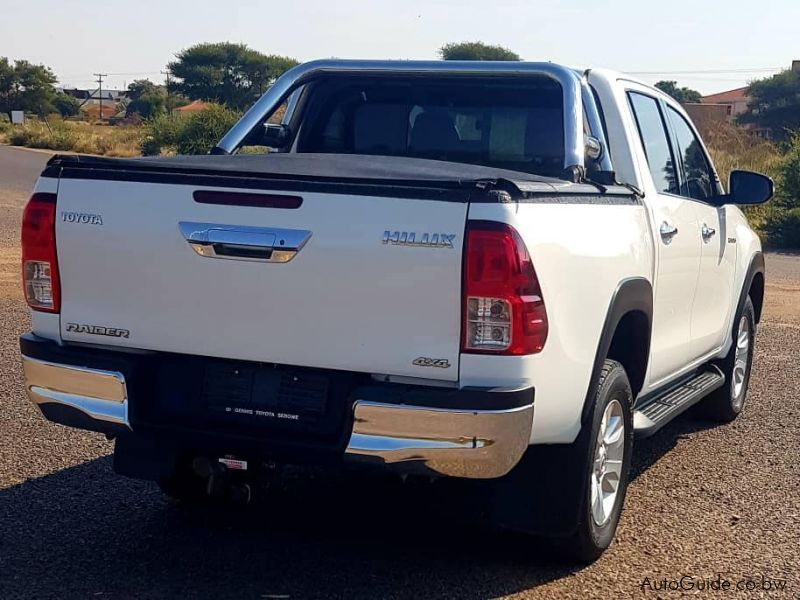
(504, 311)
(39, 260)
(246, 199)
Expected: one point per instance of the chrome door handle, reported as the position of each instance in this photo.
(708, 232)
(667, 232)
(233, 242)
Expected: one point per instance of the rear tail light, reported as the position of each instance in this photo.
(39, 261)
(504, 311)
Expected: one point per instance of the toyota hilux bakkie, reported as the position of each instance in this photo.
(482, 270)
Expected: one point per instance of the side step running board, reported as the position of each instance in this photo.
(654, 414)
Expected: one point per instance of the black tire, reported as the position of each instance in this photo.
(590, 539)
(547, 495)
(724, 404)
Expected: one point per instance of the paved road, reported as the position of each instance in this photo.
(704, 501)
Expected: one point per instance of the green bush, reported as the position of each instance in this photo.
(780, 218)
(204, 129)
(788, 179)
(782, 228)
(161, 135)
(195, 134)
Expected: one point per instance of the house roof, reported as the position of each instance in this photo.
(194, 106)
(93, 110)
(737, 95)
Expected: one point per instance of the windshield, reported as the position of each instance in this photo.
(509, 123)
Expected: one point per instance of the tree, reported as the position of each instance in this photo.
(476, 51)
(25, 86)
(66, 105)
(683, 95)
(789, 175)
(231, 74)
(143, 87)
(146, 99)
(775, 104)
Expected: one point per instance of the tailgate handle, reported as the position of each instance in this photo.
(235, 242)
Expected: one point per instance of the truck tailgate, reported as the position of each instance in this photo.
(346, 300)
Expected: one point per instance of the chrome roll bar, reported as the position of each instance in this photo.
(595, 123)
(576, 102)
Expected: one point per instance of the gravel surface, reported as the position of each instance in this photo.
(705, 501)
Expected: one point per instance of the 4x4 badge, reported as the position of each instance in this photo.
(424, 361)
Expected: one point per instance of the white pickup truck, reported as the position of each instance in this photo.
(496, 271)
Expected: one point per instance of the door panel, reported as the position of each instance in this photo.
(714, 296)
(675, 289)
(677, 242)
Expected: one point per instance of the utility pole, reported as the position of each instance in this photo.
(100, 85)
(169, 104)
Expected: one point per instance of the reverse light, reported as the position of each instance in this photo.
(504, 312)
(39, 261)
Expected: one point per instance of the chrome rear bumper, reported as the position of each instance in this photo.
(409, 438)
(99, 395)
(475, 444)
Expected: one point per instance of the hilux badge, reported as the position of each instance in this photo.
(425, 240)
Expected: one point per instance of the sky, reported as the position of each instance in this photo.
(708, 45)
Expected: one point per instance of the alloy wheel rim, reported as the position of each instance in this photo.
(741, 360)
(606, 473)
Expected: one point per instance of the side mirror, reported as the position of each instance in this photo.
(747, 187)
(274, 135)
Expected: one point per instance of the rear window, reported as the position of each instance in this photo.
(498, 123)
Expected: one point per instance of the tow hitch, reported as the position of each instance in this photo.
(225, 478)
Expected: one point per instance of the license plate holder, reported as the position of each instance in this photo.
(263, 394)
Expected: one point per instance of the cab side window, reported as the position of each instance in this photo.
(655, 140)
(698, 179)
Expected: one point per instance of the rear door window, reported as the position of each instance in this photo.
(655, 141)
(698, 179)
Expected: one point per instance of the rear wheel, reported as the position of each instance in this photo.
(572, 494)
(726, 403)
(606, 468)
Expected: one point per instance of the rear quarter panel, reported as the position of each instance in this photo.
(581, 251)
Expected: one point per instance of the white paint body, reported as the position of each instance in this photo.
(349, 302)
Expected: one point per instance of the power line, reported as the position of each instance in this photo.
(169, 104)
(100, 88)
(707, 71)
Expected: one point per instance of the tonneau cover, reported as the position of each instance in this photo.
(354, 168)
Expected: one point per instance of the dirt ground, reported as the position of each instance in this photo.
(705, 501)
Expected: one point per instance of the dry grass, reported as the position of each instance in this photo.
(734, 148)
(72, 136)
